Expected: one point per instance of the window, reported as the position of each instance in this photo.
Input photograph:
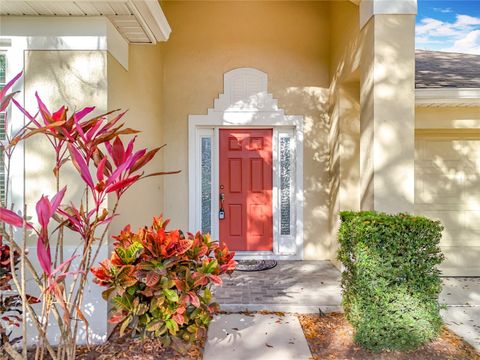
(286, 198)
(285, 184)
(206, 183)
(3, 69)
(285, 179)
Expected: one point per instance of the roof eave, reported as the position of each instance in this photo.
(152, 19)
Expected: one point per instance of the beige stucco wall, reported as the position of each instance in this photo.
(349, 141)
(287, 40)
(76, 79)
(140, 91)
(371, 122)
(344, 99)
(346, 42)
(83, 78)
(387, 118)
(73, 78)
(447, 118)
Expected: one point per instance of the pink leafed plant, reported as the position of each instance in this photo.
(106, 165)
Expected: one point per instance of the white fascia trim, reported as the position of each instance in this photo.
(65, 33)
(447, 96)
(369, 8)
(153, 20)
(117, 46)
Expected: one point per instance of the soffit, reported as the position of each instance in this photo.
(138, 21)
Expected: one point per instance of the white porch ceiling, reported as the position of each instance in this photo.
(138, 21)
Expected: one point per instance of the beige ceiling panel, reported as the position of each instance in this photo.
(87, 8)
(120, 8)
(40, 8)
(103, 8)
(64, 8)
(16, 8)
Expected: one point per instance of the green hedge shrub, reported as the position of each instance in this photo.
(391, 282)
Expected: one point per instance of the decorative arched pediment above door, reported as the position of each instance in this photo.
(245, 89)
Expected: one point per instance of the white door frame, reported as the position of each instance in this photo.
(246, 104)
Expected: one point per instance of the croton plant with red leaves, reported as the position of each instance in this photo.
(159, 281)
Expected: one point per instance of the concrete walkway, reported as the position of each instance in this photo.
(256, 337)
(462, 316)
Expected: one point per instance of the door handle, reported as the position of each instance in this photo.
(221, 213)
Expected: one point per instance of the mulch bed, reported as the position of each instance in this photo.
(136, 349)
(331, 337)
(133, 349)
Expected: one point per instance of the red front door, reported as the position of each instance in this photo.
(246, 185)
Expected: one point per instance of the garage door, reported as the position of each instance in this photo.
(447, 188)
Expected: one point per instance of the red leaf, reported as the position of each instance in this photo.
(44, 256)
(57, 199)
(81, 165)
(6, 100)
(59, 115)
(12, 218)
(79, 115)
(6, 88)
(90, 133)
(161, 173)
(201, 281)
(101, 169)
(117, 173)
(119, 185)
(44, 211)
(129, 149)
(65, 264)
(118, 151)
(116, 318)
(26, 113)
(43, 110)
(145, 159)
(194, 299)
(179, 284)
(216, 279)
(179, 319)
(152, 279)
(32, 299)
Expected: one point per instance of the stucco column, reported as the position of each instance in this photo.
(387, 119)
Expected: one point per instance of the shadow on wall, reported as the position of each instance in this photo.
(447, 168)
(311, 103)
(453, 171)
(447, 188)
(76, 79)
(73, 78)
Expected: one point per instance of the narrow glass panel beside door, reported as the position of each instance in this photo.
(206, 143)
(285, 185)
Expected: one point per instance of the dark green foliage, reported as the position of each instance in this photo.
(391, 282)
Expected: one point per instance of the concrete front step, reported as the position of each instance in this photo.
(292, 286)
(287, 308)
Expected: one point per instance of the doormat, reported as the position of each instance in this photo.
(255, 265)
